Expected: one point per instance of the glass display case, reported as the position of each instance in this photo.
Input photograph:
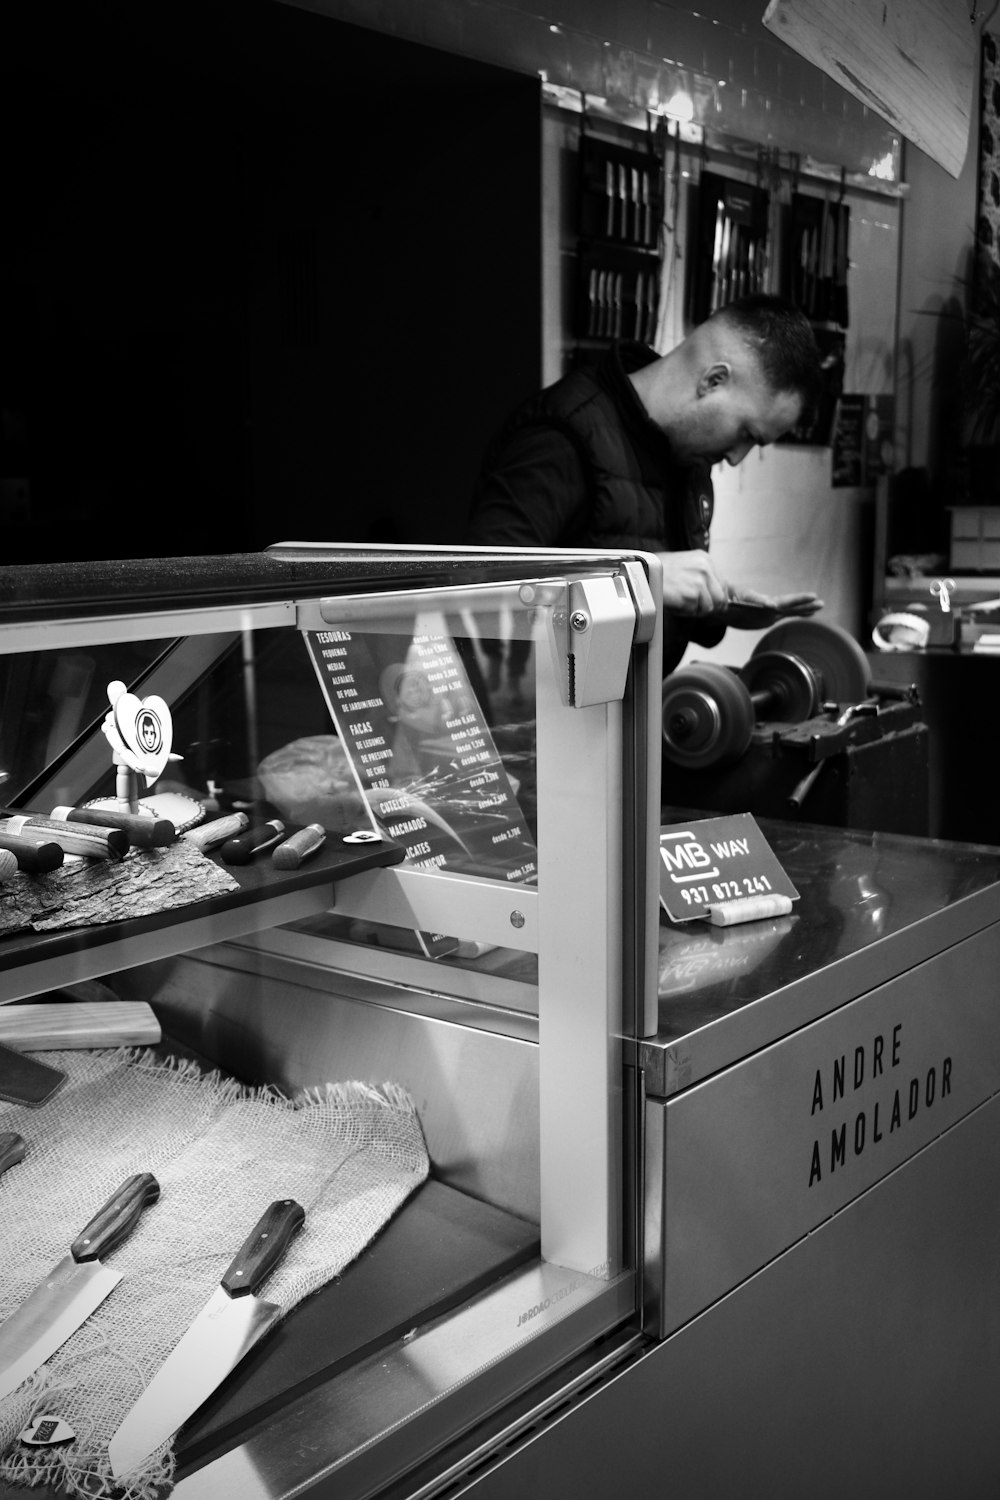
(588, 1192)
(476, 933)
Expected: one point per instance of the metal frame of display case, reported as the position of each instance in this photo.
(591, 922)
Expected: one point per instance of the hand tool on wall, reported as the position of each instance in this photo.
(74, 1288)
(720, 220)
(609, 194)
(652, 306)
(592, 302)
(225, 1330)
(802, 270)
(639, 307)
(622, 199)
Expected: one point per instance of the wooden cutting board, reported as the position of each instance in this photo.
(912, 61)
(50, 1025)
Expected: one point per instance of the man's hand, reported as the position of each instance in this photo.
(691, 586)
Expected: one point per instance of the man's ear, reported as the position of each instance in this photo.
(714, 377)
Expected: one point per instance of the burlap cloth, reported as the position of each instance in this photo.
(349, 1154)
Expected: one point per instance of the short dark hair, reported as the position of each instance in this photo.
(783, 340)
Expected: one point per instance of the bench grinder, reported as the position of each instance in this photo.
(800, 731)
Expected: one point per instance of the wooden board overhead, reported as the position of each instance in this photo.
(911, 61)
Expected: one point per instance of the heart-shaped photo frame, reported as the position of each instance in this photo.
(145, 728)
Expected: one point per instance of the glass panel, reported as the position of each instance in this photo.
(50, 698)
(406, 723)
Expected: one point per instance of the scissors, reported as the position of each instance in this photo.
(942, 591)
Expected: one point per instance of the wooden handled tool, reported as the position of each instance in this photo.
(33, 857)
(242, 849)
(94, 843)
(299, 846)
(210, 835)
(144, 831)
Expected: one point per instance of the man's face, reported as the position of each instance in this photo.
(733, 411)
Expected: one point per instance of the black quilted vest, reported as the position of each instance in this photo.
(639, 496)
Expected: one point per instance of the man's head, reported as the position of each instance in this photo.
(739, 380)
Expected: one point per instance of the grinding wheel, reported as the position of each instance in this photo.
(782, 686)
(708, 716)
(840, 664)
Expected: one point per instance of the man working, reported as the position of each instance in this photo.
(619, 456)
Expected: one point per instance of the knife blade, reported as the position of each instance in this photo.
(720, 217)
(74, 1288)
(231, 1322)
(12, 1149)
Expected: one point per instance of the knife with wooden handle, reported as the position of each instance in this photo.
(74, 1288)
(231, 1322)
(33, 857)
(299, 846)
(12, 1149)
(72, 838)
(144, 831)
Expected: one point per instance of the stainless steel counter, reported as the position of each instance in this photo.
(871, 906)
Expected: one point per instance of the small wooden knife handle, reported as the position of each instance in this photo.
(12, 1149)
(74, 838)
(241, 850)
(263, 1247)
(32, 857)
(144, 832)
(299, 846)
(116, 1220)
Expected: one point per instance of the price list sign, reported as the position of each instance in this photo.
(422, 752)
(715, 861)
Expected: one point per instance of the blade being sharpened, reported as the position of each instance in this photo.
(228, 1326)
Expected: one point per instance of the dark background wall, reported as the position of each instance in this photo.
(264, 275)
